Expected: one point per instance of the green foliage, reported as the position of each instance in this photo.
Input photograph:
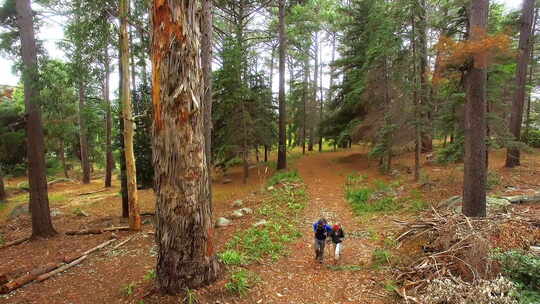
(79, 212)
(150, 275)
(523, 268)
(190, 297)
(284, 177)
(533, 138)
(241, 281)
(142, 140)
(390, 285)
(453, 152)
(12, 136)
(232, 257)
(418, 205)
(381, 257)
(493, 180)
(128, 289)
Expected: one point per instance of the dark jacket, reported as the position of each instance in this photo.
(337, 236)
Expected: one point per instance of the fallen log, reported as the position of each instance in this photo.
(62, 268)
(27, 278)
(13, 243)
(96, 230)
(69, 259)
(93, 192)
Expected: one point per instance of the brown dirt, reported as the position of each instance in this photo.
(297, 278)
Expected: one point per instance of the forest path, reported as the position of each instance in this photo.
(298, 278)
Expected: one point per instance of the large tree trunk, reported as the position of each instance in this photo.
(39, 202)
(425, 100)
(474, 181)
(184, 230)
(304, 103)
(531, 71)
(516, 117)
(109, 161)
(134, 217)
(282, 147)
(83, 138)
(206, 44)
(122, 160)
(416, 103)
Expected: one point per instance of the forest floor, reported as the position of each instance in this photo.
(125, 275)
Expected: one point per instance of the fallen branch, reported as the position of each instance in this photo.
(96, 230)
(123, 242)
(62, 268)
(27, 278)
(93, 192)
(69, 259)
(16, 242)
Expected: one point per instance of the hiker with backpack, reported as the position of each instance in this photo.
(321, 230)
(337, 235)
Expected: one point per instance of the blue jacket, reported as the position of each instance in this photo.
(328, 231)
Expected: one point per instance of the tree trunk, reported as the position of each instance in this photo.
(304, 103)
(531, 71)
(39, 202)
(516, 117)
(265, 153)
(425, 102)
(282, 147)
(474, 181)
(206, 44)
(123, 175)
(83, 139)
(184, 230)
(109, 162)
(63, 158)
(417, 136)
(131, 174)
(3, 194)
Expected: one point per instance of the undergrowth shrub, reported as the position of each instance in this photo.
(241, 281)
(381, 257)
(524, 269)
(232, 257)
(533, 138)
(453, 152)
(284, 177)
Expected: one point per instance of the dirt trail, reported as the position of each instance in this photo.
(298, 278)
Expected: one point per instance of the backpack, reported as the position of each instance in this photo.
(320, 233)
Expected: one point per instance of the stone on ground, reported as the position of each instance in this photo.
(238, 203)
(237, 213)
(260, 223)
(222, 222)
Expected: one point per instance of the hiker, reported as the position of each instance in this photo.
(337, 235)
(321, 230)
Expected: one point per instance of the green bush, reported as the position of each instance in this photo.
(284, 177)
(524, 269)
(453, 152)
(533, 139)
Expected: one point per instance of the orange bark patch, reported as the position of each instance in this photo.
(210, 244)
(166, 29)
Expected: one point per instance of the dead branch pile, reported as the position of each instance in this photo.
(458, 246)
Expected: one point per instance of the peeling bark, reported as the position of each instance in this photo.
(186, 257)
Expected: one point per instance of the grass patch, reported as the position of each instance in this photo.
(365, 200)
(232, 257)
(57, 198)
(128, 289)
(241, 281)
(381, 257)
(191, 297)
(284, 177)
(351, 268)
(281, 209)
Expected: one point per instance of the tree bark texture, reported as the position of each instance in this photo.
(206, 44)
(123, 175)
(83, 138)
(108, 122)
(474, 181)
(39, 201)
(531, 71)
(516, 116)
(3, 194)
(416, 103)
(131, 174)
(184, 230)
(282, 145)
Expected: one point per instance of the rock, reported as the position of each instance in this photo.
(260, 223)
(222, 222)
(19, 210)
(238, 203)
(226, 181)
(497, 205)
(270, 188)
(237, 213)
(56, 212)
(247, 210)
(451, 203)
